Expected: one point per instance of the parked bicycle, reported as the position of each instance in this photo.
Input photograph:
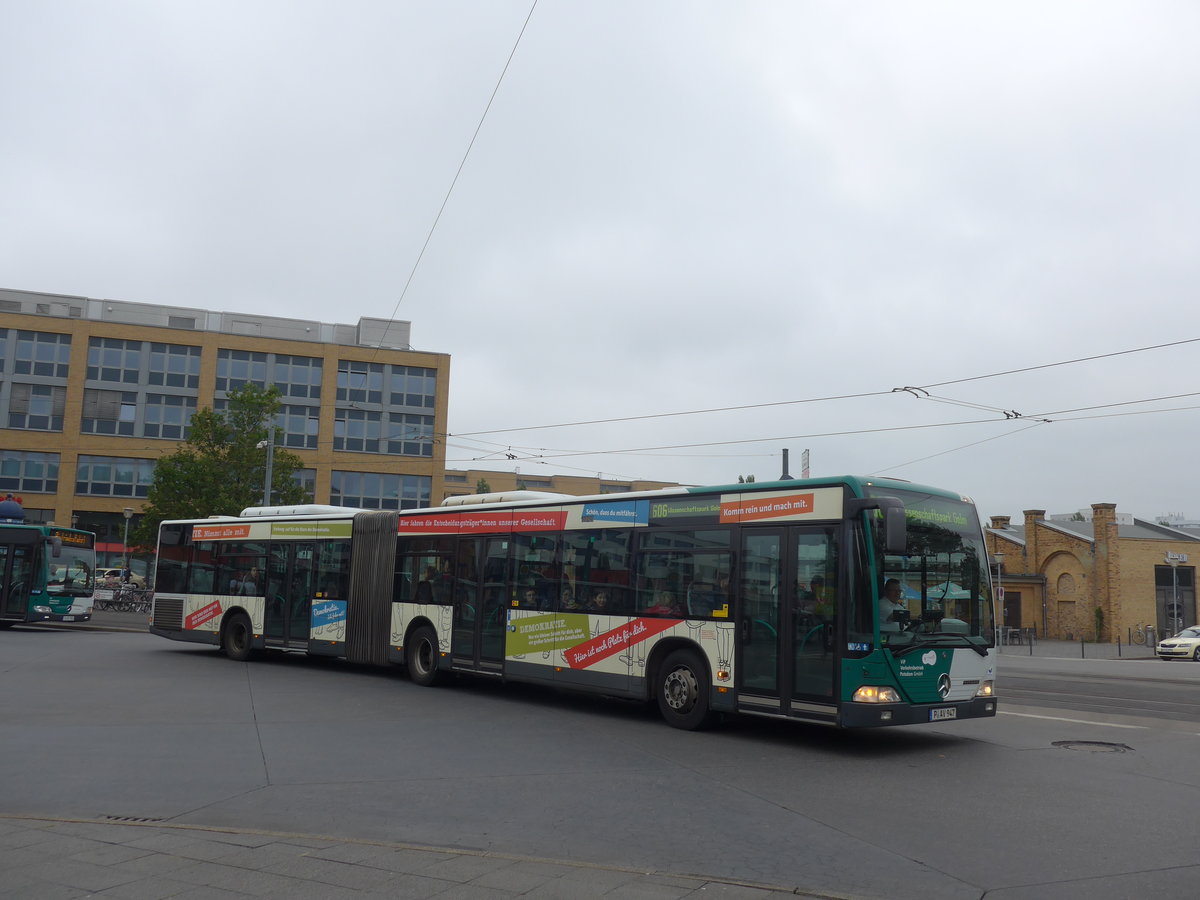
(1139, 634)
(124, 598)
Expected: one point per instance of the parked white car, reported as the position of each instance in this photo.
(1185, 645)
(111, 577)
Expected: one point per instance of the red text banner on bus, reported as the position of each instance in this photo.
(484, 522)
(612, 642)
(752, 508)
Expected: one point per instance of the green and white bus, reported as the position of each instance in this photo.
(760, 599)
(47, 574)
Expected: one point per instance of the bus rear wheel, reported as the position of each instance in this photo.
(237, 637)
(421, 657)
(683, 691)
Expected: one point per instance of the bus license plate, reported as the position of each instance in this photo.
(68, 618)
(944, 712)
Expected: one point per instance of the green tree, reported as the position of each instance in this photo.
(220, 469)
(482, 487)
(745, 479)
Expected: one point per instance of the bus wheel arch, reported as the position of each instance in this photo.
(421, 655)
(682, 686)
(237, 635)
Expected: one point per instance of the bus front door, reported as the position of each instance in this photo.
(289, 595)
(787, 652)
(16, 573)
(477, 639)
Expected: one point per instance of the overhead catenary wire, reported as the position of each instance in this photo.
(921, 392)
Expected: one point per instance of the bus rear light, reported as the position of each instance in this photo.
(722, 674)
(871, 693)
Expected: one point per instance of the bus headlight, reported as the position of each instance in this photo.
(42, 609)
(870, 693)
(985, 690)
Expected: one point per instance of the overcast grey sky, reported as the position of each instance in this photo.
(670, 206)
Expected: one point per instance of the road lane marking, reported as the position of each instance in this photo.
(1005, 712)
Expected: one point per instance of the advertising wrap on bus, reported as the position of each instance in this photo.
(785, 599)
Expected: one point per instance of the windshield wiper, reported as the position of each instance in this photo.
(923, 639)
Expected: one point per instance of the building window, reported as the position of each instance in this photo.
(300, 425)
(360, 382)
(174, 365)
(451, 476)
(45, 355)
(36, 407)
(297, 425)
(409, 435)
(3, 347)
(109, 476)
(236, 368)
(413, 386)
(114, 361)
(168, 417)
(298, 376)
(358, 430)
(307, 479)
(24, 470)
(108, 412)
(378, 490)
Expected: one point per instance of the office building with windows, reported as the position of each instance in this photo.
(93, 392)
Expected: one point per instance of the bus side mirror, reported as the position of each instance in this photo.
(895, 530)
(895, 523)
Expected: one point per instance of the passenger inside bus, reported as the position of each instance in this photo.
(600, 601)
(567, 602)
(425, 586)
(666, 604)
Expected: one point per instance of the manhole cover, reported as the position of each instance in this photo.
(1093, 746)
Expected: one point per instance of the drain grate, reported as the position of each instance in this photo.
(1093, 746)
(139, 819)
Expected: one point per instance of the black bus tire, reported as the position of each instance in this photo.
(421, 657)
(683, 691)
(237, 637)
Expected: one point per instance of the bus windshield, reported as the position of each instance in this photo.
(71, 573)
(945, 594)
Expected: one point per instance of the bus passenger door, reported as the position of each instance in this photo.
(480, 585)
(787, 621)
(15, 571)
(289, 593)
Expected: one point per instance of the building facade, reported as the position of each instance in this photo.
(466, 481)
(93, 392)
(1094, 575)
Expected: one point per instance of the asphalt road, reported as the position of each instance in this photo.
(1053, 798)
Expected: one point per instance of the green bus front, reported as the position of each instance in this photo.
(47, 574)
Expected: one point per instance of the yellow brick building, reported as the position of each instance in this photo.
(1094, 575)
(93, 392)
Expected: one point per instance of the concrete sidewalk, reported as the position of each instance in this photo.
(62, 858)
(1077, 650)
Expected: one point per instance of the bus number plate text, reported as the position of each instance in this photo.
(943, 712)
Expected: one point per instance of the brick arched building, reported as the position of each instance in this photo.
(1096, 574)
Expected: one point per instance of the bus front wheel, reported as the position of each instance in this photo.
(421, 656)
(237, 637)
(683, 691)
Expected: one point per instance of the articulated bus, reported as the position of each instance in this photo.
(47, 574)
(760, 599)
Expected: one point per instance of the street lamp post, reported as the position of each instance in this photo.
(999, 557)
(128, 513)
(269, 446)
